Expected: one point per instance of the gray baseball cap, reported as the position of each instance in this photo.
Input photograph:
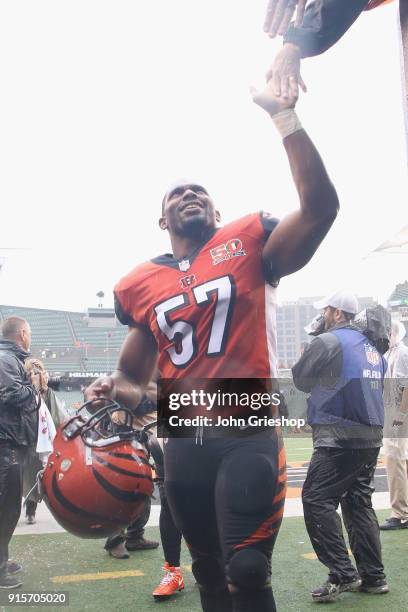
(344, 300)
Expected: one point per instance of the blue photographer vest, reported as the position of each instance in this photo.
(355, 397)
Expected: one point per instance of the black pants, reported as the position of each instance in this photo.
(11, 491)
(343, 476)
(169, 534)
(30, 507)
(227, 496)
(134, 531)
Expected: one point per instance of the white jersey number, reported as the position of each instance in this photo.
(182, 333)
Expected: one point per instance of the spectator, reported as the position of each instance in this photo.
(396, 428)
(18, 431)
(324, 23)
(133, 538)
(32, 463)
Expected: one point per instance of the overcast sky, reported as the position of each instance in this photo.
(104, 103)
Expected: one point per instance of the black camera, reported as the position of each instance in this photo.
(54, 383)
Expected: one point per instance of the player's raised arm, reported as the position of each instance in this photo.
(296, 238)
(136, 364)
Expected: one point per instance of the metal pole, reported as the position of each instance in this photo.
(403, 16)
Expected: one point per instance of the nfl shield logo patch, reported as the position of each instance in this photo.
(372, 355)
(184, 265)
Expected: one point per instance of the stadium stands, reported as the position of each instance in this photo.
(71, 400)
(67, 343)
(400, 294)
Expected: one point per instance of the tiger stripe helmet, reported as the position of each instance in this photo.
(98, 477)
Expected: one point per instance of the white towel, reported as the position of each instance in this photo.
(46, 433)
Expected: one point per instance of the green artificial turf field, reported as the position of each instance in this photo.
(298, 448)
(50, 559)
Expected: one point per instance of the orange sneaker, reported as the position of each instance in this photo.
(171, 582)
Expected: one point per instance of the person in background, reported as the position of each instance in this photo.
(33, 463)
(396, 428)
(344, 374)
(170, 536)
(133, 537)
(18, 432)
(323, 24)
(280, 12)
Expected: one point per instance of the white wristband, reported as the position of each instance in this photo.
(287, 122)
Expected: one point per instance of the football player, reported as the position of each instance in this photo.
(207, 311)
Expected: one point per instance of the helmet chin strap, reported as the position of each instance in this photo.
(104, 441)
(88, 424)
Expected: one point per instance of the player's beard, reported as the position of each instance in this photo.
(196, 228)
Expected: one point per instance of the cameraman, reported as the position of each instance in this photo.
(18, 431)
(344, 374)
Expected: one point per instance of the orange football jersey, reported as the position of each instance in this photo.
(213, 316)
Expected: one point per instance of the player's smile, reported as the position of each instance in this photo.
(195, 205)
(189, 203)
(188, 214)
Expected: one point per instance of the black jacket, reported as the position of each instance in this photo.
(324, 23)
(18, 406)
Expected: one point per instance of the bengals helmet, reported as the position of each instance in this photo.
(98, 477)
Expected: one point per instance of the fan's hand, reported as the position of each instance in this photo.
(280, 12)
(285, 72)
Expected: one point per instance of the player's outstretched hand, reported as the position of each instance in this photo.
(280, 12)
(101, 388)
(285, 72)
(270, 102)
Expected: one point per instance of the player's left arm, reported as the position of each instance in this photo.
(296, 238)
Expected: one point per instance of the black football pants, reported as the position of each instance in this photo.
(11, 491)
(343, 476)
(227, 497)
